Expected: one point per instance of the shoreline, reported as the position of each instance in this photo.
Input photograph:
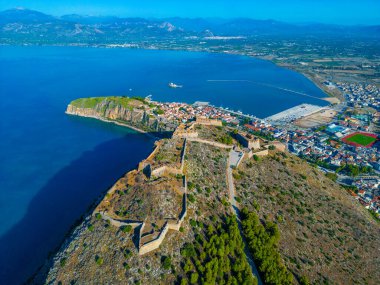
(116, 123)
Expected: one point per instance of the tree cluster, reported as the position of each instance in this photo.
(263, 245)
(354, 170)
(216, 257)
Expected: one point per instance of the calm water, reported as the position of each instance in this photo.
(53, 166)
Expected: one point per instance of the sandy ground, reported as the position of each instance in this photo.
(332, 100)
(317, 119)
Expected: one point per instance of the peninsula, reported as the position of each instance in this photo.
(214, 203)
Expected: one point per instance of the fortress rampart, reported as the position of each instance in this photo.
(169, 225)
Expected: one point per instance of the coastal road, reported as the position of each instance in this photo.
(232, 162)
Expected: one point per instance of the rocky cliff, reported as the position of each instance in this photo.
(132, 112)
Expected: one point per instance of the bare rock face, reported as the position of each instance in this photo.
(103, 110)
(135, 117)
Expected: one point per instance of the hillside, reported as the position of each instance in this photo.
(325, 234)
(28, 26)
(100, 250)
(173, 219)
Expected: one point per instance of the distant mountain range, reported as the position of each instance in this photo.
(33, 26)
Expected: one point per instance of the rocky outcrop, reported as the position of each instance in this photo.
(138, 118)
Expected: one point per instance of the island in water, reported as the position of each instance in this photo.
(214, 203)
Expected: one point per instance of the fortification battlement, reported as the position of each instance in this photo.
(208, 122)
(146, 167)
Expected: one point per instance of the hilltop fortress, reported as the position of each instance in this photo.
(163, 171)
(160, 177)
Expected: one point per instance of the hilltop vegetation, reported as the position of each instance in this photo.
(125, 102)
(216, 256)
(325, 235)
(263, 243)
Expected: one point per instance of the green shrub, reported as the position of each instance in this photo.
(191, 198)
(126, 229)
(190, 185)
(304, 280)
(194, 278)
(188, 250)
(225, 139)
(166, 262)
(193, 223)
(62, 262)
(99, 260)
(90, 227)
(332, 176)
(127, 253)
(158, 111)
(98, 216)
(225, 202)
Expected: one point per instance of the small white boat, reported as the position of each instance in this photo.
(173, 85)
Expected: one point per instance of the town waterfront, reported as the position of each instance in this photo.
(53, 166)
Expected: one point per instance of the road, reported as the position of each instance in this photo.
(235, 209)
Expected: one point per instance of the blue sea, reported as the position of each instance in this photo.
(54, 166)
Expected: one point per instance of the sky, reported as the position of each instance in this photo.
(324, 11)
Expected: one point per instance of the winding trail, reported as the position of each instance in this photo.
(236, 211)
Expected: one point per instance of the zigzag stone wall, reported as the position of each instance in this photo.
(154, 244)
(158, 172)
(119, 223)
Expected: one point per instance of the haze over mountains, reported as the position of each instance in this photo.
(28, 25)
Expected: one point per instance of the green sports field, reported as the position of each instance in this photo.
(361, 139)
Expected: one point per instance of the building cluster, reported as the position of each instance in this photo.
(369, 192)
(360, 95)
(183, 112)
(323, 146)
(329, 150)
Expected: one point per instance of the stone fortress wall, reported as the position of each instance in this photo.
(169, 225)
(189, 134)
(208, 122)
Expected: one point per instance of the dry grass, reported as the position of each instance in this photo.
(325, 234)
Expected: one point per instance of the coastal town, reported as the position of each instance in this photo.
(345, 146)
